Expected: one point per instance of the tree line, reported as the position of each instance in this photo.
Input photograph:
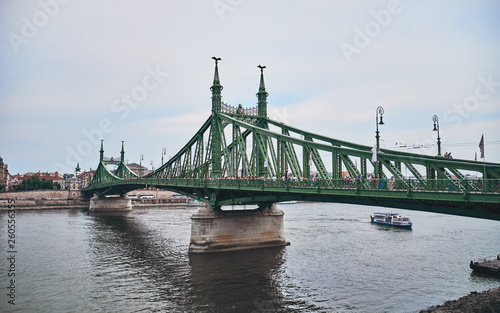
(35, 183)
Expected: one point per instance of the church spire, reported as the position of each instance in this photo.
(216, 89)
(262, 94)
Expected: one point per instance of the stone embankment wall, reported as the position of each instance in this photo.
(75, 194)
(52, 199)
(42, 194)
(48, 199)
(44, 204)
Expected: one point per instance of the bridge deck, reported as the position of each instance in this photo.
(217, 192)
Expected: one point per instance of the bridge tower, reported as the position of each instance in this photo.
(262, 94)
(119, 203)
(262, 111)
(215, 230)
(122, 154)
(216, 127)
(101, 152)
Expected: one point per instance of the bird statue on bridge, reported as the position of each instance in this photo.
(216, 59)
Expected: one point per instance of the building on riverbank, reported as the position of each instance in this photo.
(5, 178)
(55, 178)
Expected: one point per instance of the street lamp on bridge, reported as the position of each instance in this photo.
(436, 128)
(380, 110)
(140, 164)
(164, 152)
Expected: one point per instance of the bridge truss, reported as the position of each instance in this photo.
(240, 155)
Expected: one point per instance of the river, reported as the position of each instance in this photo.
(75, 261)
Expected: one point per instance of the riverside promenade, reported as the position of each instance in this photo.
(71, 199)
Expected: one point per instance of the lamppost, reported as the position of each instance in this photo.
(436, 128)
(164, 152)
(140, 164)
(380, 111)
(152, 166)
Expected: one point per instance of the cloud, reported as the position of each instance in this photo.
(65, 78)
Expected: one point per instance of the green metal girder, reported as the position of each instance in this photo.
(123, 171)
(183, 165)
(182, 151)
(196, 169)
(396, 172)
(291, 159)
(395, 155)
(318, 162)
(222, 192)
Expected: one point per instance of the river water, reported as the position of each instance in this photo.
(76, 261)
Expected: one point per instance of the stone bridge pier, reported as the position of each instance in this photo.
(110, 204)
(217, 230)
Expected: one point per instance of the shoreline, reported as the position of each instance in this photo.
(11, 204)
(486, 301)
(83, 206)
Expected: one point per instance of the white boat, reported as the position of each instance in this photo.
(391, 219)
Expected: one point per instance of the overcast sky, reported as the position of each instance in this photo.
(73, 72)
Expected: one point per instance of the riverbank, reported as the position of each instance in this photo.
(476, 302)
(46, 204)
(43, 204)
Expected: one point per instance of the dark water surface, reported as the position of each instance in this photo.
(76, 261)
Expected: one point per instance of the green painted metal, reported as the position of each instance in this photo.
(218, 192)
(216, 127)
(105, 175)
(239, 155)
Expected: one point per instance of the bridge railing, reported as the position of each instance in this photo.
(477, 186)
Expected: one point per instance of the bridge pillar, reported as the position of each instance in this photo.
(110, 204)
(217, 231)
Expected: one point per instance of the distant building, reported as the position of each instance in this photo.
(5, 178)
(77, 169)
(85, 178)
(53, 177)
(79, 179)
(134, 167)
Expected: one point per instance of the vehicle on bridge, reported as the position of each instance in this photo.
(391, 219)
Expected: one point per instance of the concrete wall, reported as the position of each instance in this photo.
(215, 231)
(111, 204)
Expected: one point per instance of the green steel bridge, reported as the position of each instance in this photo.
(240, 156)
